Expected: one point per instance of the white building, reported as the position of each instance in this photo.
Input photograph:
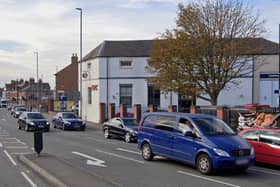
(116, 72)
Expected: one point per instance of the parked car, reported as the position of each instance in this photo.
(68, 120)
(33, 121)
(266, 143)
(14, 107)
(18, 111)
(125, 128)
(197, 139)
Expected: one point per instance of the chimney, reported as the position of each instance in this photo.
(74, 58)
(31, 81)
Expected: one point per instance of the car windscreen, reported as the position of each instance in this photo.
(213, 126)
(130, 122)
(4, 102)
(35, 116)
(69, 116)
(21, 109)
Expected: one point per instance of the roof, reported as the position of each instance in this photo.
(65, 68)
(142, 48)
(128, 48)
(33, 87)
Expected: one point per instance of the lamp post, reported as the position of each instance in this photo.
(81, 100)
(37, 70)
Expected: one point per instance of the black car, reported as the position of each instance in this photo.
(126, 128)
(68, 120)
(33, 121)
(18, 111)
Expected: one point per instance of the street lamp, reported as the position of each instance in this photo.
(81, 101)
(37, 69)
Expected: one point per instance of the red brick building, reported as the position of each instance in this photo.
(66, 80)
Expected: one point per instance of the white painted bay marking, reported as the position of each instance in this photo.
(14, 143)
(4, 119)
(264, 171)
(4, 135)
(21, 153)
(92, 161)
(129, 151)
(28, 179)
(119, 156)
(208, 179)
(1, 145)
(17, 147)
(10, 158)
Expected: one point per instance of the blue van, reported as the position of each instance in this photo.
(201, 140)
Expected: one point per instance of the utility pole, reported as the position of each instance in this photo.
(81, 60)
(279, 70)
(37, 69)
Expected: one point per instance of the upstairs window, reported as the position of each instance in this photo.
(126, 94)
(88, 65)
(125, 64)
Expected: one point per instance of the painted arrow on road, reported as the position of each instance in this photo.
(92, 161)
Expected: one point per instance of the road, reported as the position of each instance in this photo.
(114, 161)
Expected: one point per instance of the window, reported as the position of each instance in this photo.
(150, 121)
(185, 126)
(251, 135)
(270, 138)
(89, 95)
(166, 123)
(153, 96)
(125, 64)
(126, 94)
(89, 65)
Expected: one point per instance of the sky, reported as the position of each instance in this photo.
(51, 28)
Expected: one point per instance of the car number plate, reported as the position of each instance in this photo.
(41, 126)
(241, 161)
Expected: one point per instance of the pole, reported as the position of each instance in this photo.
(37, 69)
(81, 60)
(279, 71)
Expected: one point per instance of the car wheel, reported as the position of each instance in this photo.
(83, 128)
(26, 128)
(147, 153)
(204, 164)
(127, 137)
(106, 134)
(63, 127)
(19, 127)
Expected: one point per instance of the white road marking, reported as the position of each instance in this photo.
(10, 158)
(92, 161)
(102, 141)
(17, 147)
(119, 156)
(21, 153)
(129, 151)
(4, 119)
(14, 143)
(4, 135)
(28, 179)
(264, 171)
(208, 179)
(1, 145)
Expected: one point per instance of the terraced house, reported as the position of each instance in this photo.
(116, 72)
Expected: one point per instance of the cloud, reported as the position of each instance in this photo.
(12, 46)
(146, 3)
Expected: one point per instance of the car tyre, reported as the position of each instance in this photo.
(26, 128)
(204, 164)
(146, 151)
(127, 137)
(106, 134)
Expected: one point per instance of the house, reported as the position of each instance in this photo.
(28, 93)
(66, 80)
(116, 72)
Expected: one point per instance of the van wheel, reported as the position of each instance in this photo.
(204, 164)
(146, 151)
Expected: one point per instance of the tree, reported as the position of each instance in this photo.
(207, 50)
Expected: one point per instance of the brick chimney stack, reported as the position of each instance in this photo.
(31, 81)
(74, 58)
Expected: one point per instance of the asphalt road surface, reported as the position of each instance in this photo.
(113, 160)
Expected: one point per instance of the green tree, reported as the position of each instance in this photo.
(207, 50)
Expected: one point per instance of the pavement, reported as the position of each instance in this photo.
(53, 169)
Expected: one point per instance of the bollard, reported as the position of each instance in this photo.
(38, 141)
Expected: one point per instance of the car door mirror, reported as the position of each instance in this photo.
(120, 125)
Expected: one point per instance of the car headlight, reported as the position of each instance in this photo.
(252, 152)
(67, 123)
(47, 123)
(221, 152)
(32, 123)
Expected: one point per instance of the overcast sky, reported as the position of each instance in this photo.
(51, 27)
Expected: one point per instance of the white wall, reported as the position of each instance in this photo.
(236, 95)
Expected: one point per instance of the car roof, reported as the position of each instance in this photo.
(180, 114)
